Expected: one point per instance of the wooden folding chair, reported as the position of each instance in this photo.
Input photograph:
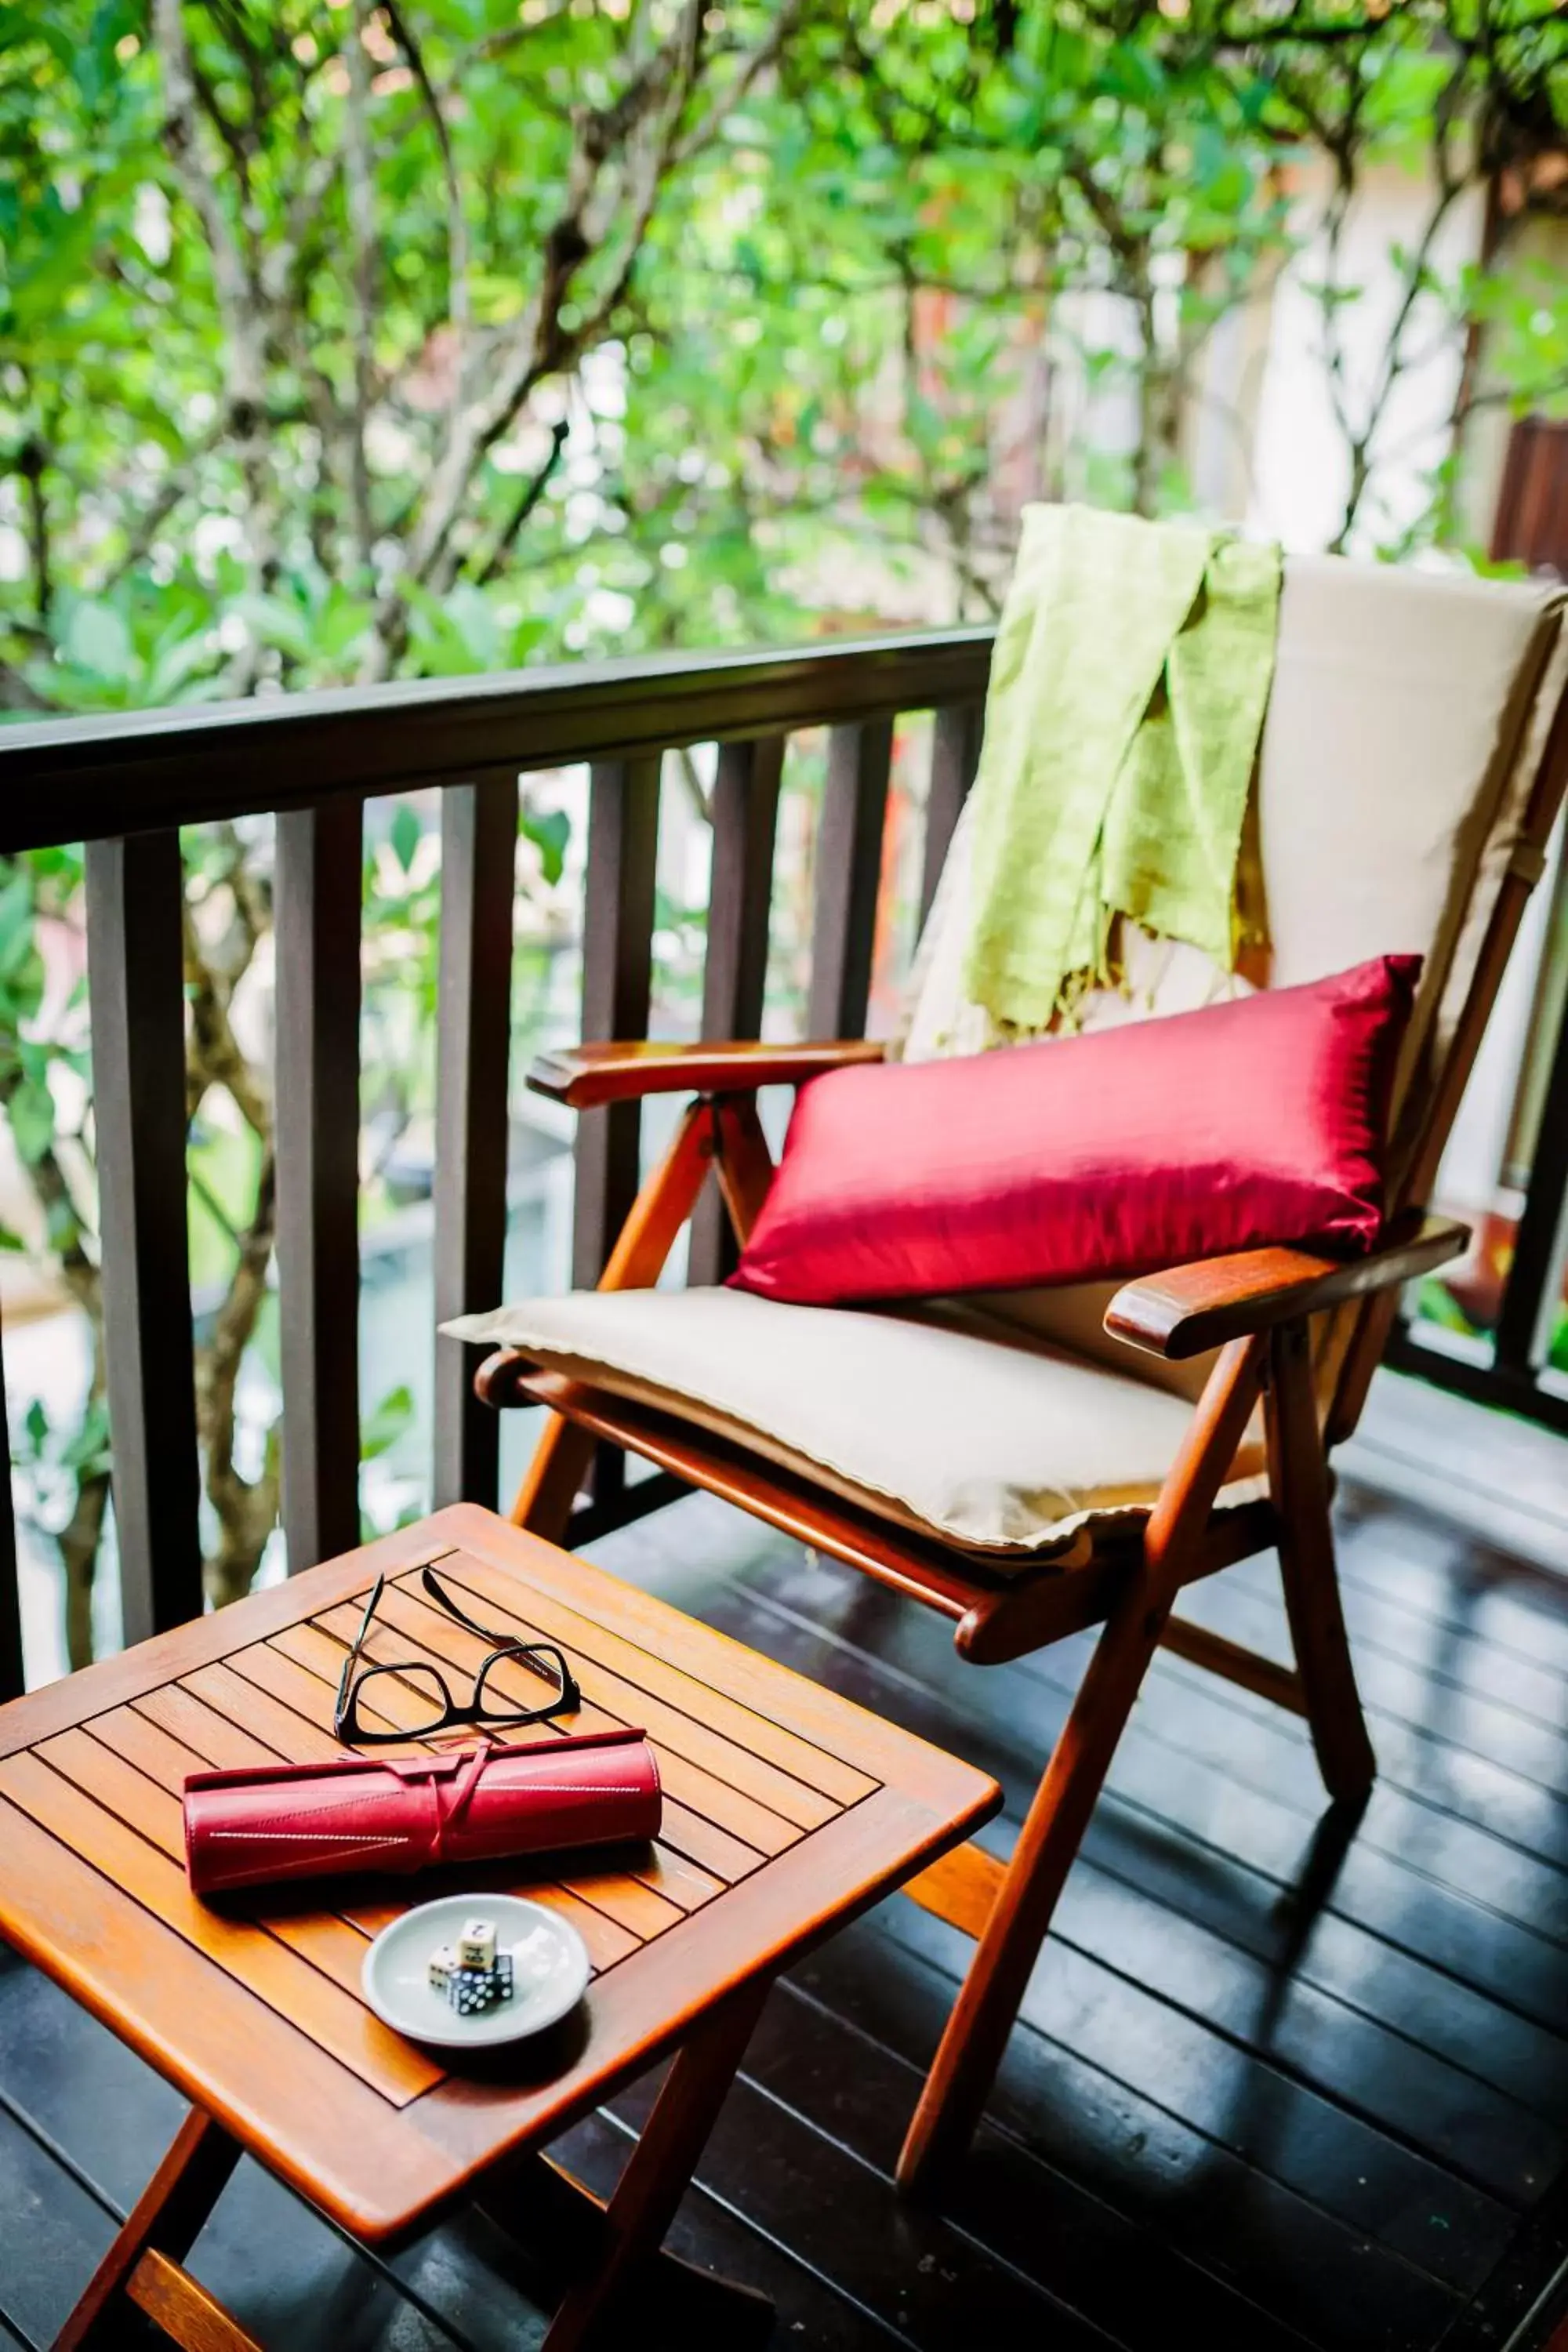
(1413, 760)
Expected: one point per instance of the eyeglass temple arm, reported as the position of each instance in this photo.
(442, 1599)
(354, 1656)
(509, 1642)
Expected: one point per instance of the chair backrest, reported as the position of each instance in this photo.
(1414, 758)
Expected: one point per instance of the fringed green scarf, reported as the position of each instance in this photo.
(1128, 689)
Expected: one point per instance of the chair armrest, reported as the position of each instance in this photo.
(1191, 1308)
(581, 1075)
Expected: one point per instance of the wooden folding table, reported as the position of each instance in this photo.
(787, 1811)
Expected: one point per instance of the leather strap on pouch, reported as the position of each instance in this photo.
(410, 1813)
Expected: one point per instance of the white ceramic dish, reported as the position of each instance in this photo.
(550, 1969)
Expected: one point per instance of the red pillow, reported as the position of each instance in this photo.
(1256, 1121)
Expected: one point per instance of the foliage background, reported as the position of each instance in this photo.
(340, 341)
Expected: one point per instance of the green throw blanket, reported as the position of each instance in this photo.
(1131, 672)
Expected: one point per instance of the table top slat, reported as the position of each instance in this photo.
(322, 2010)
(168, 1762)
(394, 1704)
(697, 1840)
(301, 1666)
(863, 1740)
(615, 1700)
(212, 2036)
(639, 1909)
(253, 1707)
(334, 1942)
(300, 1739)
(158, 1752)
(172, 1657)
(679, 1881)
(89, 1765)
(222, 1745)
(653, 1673)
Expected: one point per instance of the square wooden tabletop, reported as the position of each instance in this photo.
(786, 1810)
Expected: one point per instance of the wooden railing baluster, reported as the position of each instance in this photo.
(478, 862)
(318, 888)
(849, 867)
(735, 971)
(136, 979)
(954, 756)
(12, 1682)
(617, 979)
(1536, 1265)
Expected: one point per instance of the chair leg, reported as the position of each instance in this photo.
(547, 1493)
(976, 2035)
(1299, 1474)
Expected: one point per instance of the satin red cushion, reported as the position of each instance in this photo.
(1256, 1121)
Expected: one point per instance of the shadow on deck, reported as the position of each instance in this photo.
(1276, 2086)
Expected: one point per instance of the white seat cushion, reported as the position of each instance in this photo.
(939, 1417)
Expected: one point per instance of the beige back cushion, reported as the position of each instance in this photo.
(1404, 733)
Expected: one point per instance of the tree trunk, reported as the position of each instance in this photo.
(80, 1541)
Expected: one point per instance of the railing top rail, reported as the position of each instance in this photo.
(88, 779)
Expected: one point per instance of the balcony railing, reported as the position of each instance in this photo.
(124, 785)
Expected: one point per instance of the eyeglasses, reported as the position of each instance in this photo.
(428, 1684)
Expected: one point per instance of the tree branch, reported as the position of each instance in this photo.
(247, 1509)
(457, 223)
(362, 231)
(239, 297)
(30, 461)
(765, 54)
(534, 491)
(638, 132)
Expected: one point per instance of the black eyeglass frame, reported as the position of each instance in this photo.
(543, 1656)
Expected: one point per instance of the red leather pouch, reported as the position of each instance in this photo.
(302, 1821)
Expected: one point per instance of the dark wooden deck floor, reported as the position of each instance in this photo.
(1275, 2086)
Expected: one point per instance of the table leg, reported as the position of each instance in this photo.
(144, 2264)
(660, 2167)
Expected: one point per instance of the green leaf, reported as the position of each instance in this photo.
(339, 626)
(88, 1452)
(407, 834)
(168, 678)
(386, 1422)
(15, 926)
(275, 621)
(32, 1110)
(97, 639)
(550, 834)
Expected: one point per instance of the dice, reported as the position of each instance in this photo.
(476, 1945)
(473, 1991)
(471, 1973)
